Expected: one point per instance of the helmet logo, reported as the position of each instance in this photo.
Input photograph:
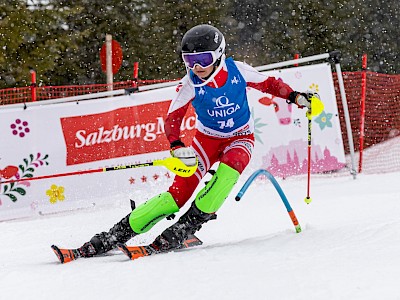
(216, 37)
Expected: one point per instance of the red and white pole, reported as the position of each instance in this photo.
(362, 110)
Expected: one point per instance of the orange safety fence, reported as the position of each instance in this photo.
(381, 141)
(382, 107)
(24, 94)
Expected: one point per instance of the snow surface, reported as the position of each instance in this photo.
(349, 248)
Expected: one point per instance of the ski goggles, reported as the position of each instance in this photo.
(203, 59)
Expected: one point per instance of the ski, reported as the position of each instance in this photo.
(65, 255)
(135, 252)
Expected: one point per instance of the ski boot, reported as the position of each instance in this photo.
(174, 236)
(106, 241)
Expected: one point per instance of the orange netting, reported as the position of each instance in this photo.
(382, 107)
(15, 95)
(382, 119)
(21, 95)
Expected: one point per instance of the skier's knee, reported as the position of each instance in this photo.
(237, 158)
(213, 195)
(146, 215)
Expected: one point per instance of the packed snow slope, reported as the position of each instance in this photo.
(349, 248)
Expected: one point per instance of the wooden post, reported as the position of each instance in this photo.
(109, 62)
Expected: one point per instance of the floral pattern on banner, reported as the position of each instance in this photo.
(55, 193)
(24, 171)
(257, 125)
(20, 128)
(324, 120)
(314, 87)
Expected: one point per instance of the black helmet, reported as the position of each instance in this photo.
(203, 45)
(203, 38)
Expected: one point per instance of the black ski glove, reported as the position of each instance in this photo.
(300, 99)
(177, 144)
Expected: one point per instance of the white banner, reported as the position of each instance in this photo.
(61, 138)
(281, 129)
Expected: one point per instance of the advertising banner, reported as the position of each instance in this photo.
(85, 135)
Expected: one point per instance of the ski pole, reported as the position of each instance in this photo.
(315, 109)
(309, 126)
(278, 189)
(175, 165)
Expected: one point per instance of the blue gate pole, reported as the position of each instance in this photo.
(278, 189)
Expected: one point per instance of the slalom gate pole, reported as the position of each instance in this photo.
(175, 165)
(278, 189)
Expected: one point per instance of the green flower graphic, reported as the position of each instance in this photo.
(257, 125)
(324, 120)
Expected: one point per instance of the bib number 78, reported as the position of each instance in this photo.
(228, 123)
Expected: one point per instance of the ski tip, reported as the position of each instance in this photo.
(134, 252)
(63, 255)
(124, 249)
(192, 241)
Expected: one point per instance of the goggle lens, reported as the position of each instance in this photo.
(204, 59)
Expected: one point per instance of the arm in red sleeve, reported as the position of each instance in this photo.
(177, 111)
(172, 125)
(272, 86)
(263, 83)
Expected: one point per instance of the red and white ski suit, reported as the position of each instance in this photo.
(235, 149)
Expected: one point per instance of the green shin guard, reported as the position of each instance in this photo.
(213, 195)
(146, 215)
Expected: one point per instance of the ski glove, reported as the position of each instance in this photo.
(301, 99)
(308, 99)
(185, 154)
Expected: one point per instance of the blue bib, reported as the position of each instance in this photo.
(224, 109)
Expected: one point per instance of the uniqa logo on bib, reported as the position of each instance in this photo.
(223, 107)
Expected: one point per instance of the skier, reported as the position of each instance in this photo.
(216, 87)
